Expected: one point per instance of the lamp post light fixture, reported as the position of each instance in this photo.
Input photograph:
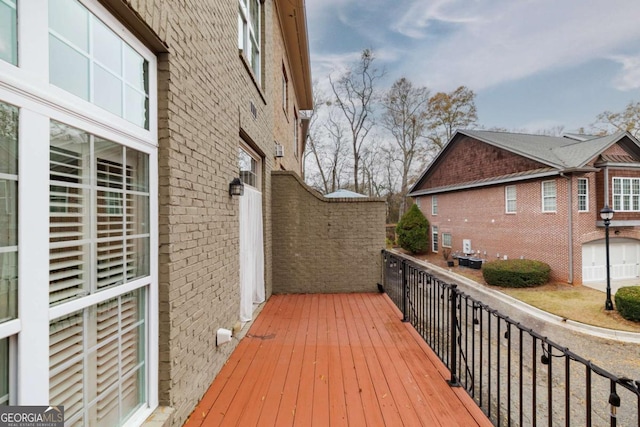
(607, 214)
(236, 187)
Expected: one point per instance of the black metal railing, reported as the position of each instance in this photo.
(515, 375)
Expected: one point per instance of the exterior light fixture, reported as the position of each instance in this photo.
(236, 187)
(607, 214)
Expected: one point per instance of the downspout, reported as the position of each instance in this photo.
(570, 225)
(606, 186)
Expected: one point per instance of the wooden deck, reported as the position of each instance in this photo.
(333, 360)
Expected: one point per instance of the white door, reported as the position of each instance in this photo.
(624, 258)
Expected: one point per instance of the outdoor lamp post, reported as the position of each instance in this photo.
(607, 214)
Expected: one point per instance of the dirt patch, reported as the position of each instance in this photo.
(578, 303)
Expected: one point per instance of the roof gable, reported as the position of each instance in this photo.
(542, 152)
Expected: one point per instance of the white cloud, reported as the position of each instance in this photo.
(415, 22)
(510, 40)
(629, 77)
(484, 44)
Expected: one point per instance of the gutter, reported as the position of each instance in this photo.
(570, 224)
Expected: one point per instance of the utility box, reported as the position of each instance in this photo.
(475, 263)
(466, 246)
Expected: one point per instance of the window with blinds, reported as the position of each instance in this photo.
(8, 211)
(4, 371)
(99, 228)
(97, 361)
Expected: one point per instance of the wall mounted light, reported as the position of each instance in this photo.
(236, 187)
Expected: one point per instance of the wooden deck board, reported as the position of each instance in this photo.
(333, 360)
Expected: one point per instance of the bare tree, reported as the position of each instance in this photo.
(354, 96)
(627, 120)
(326, 147)
(450, 111)
(405, 115)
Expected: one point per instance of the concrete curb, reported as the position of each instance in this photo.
(611, 334)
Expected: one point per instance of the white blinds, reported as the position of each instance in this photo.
(69, 203)
(97, 366)
(66, 364)
(99, 214)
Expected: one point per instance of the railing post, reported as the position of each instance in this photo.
(405, 294)
(453, 324)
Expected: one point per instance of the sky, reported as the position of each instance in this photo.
(533, 64)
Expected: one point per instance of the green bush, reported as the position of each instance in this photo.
(628, 302)
(413, 231)
(516, 273)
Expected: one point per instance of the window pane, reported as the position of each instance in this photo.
(8, 32)
(136, 107)
(8, 285)
(97, 358)
(135, 69)
(4, 372)
(69, 213)
(8, 213)
(107, 48)
(8, 139)
(107, 91)
(68, 69)
(137, 258)
(137, 171)
(119, 359)
(248, 168)
(255, 17)
(66, 364)
(97, 68)
(70, 20)
(255, 59)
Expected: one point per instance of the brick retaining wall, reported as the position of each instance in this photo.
(324, 245)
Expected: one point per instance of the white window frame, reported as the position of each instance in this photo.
(546, 196)
(626, 199)
(446, 240)
(249, 36)
(583, 198)
(510, 199)
(27, 87)
(434, 238)
(434, 205)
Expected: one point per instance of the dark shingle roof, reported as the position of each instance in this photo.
(557, 152)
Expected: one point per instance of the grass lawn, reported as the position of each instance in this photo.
(579, 303)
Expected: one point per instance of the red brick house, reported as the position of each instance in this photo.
(508, 195)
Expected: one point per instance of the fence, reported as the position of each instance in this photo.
(515, 375)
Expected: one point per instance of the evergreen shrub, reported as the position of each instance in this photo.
(628, 302)
(412, 231)
(516, 273)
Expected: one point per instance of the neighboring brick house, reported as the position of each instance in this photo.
(506, 195)
(122, 124)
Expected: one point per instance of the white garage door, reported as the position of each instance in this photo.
(624, 258)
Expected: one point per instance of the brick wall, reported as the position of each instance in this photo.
(479, 215)
(206, 90)
(324, 245)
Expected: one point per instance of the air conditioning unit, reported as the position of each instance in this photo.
(279, 150)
